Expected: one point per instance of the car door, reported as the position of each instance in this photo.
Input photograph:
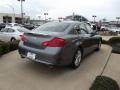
(3, 34)
(10, 34)
(86, 38)
(94, 39)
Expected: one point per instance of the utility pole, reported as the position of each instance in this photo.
(73, 16)
(117, 20)
(13, 11)
(45, 16)
(22, 17)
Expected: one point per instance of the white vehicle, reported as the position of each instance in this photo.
(12, 33)
(12, 25)
(104, 27)
(114, 29)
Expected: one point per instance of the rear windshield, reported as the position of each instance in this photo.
(53, 27)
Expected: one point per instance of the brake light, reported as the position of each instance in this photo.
(23, 38)
(55, 42)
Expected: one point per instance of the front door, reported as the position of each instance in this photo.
(86, 39)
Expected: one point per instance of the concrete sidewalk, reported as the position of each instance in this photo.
(113, 68)
(107, 37)
(21, 74)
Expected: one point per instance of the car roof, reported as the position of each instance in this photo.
(69, 22)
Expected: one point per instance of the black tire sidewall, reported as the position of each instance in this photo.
(13, 39)
(73, 63)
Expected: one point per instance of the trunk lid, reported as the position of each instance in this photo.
(35, 40)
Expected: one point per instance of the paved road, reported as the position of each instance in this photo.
(21, 74)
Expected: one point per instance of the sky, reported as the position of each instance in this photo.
(109, 9)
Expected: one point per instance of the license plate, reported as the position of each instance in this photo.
(31, 55)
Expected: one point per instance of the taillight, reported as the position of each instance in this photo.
(55, 42)
(23, 38)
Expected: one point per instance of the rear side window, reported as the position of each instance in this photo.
(16, 24)
(11, 30)
(4, 30)
(53, 27)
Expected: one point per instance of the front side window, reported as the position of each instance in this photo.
(80, 30)
(83, 29)
(89, 29)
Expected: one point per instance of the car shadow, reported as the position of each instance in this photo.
(45, 70)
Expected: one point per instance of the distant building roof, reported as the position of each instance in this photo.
(76, 18)
(12, 14)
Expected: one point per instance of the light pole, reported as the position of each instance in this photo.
(117, 19)
(22, 9)
(94, 16)
(13, 11)
(45, 16)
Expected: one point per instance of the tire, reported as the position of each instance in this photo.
(99, 45)
(77, 59)
(13, 39)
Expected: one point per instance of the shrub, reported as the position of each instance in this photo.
(116, 48)
(104, 83)
(115, 43)
(0, 49)
(105, 42)
(114, 40)
(13, 45)
(6, 47)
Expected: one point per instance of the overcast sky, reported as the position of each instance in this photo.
(60, 8)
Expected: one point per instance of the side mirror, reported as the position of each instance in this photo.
(94, 33)
(94, 27)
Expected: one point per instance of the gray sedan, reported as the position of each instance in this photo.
(59, 43)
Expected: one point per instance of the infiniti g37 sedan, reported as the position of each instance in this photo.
(59, 43)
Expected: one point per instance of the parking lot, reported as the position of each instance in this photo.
(22, 74)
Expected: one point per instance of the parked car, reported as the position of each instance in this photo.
(12, 33)
(104, 28)
(59, 43)
(13, 25)
(2, 25)
(29, 26)
(114, 29)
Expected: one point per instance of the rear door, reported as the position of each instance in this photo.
(10, 33)
(3, 34)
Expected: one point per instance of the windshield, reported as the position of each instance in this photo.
(53, 27)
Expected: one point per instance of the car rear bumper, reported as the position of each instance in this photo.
(49, 57)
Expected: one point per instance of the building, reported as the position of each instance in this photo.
(13, 18)
(76, 18)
